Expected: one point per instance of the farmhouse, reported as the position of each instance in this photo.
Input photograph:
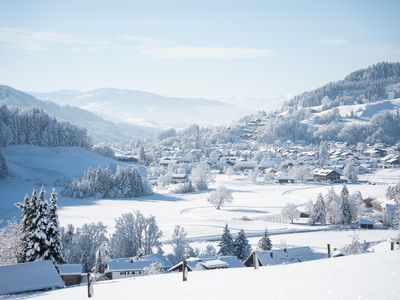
(325, 175)
(29, 277)
(283, 256)
(71, 274)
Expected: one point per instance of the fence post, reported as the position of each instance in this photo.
(184, 270)
(329, 250)
(89, 285)
(255, 260)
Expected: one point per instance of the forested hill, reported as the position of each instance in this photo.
(377, 82)
(99, 129)
(32, 126)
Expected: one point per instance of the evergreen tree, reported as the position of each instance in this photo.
(265, 241)
(3, 167)
(242, 246)
(332, 203)
(318, 213)
(226, 245)
(26, 222)
(53, 234)
(38, 247)
(101, 258)
(345, 208)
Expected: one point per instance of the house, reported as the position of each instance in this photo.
(71, 274)
(29, 277)
(209, 263)
(283, 256)
(166, 161)
(285, 179)
(127, 267)
(132, 267)
(388, 211)
(374, 152)
(325, 175)
(180, 178)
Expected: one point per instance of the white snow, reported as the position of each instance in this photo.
(365, 276)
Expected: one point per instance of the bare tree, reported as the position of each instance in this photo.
(220, 196)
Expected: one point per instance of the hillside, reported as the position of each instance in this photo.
(377, 82)
(138, 107)
(365, 276)
(360, 108)
(98, 128)
(33, 167)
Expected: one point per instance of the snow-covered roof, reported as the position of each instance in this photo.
(323, 172)
(214, 264)
(232, 261)
(158, 257)
(210, 262)
(125, 264)
(279, 256)
(27, 277)
(70, 269)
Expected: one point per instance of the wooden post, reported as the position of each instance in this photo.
(88, 285)
(391, 246)
(329, 250)
(184, 270)
(255, 260)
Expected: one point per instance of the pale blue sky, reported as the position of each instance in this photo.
(193, 48)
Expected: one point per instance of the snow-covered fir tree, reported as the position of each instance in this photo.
(226, 245)
(102, 258)
(332, 203)
(265, 242)
(318, 213)
(345, 207)
(3, 167)
(53, 231)
(242, 246)
(35, 221)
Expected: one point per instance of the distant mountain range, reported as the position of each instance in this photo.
(98, 128)
(149, 109)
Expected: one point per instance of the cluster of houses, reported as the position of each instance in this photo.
(41, 275)
(279, 162)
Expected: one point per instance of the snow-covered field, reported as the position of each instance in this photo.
(365, 276)
(254, 206)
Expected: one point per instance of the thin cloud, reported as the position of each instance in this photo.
(16, 38)
(192, 52)
(335, 42)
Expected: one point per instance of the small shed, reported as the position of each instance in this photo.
(29, 277)
(71, 274)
